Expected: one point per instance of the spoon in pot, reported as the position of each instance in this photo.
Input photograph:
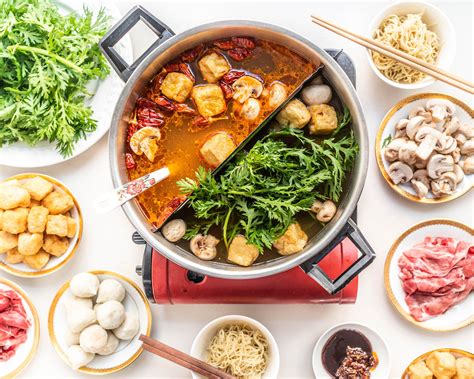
(128, 191)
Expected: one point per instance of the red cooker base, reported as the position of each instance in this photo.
(171, 284)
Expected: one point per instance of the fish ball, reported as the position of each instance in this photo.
(84, 284)
(110, 289)
(110, 314)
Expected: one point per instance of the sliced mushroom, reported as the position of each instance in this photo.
(277, 95)
(420, 111)
(391, 151)
(467, 130)
(420, 188)
(140, 135)
(149, 147)
(250, 109)
(456, 154)
(440, 109)
(422, 176)
(439, 164)
(204, 247)
(450, 145)
(400, 172)
(326, 212)
(445, 185)
(421, 163)
(316, 94)
(246, 87)
(401, 128)
(451, 126)
(459, 173)
(414, 125)
(467, 165)
(407, 153)
(460, 138)
(429, 139)
(468, 147)
(174, 230)
(316, 207)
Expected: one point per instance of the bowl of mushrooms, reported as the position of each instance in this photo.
(425, 148)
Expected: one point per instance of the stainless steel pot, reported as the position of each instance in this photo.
(169, 46)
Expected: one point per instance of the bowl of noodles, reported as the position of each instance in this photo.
(416, 28)
(238, 345)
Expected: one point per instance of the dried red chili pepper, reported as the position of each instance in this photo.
(239, 53)
(245, 42)
(173, 204)
(190, 55)
(164, 103)
(132, 128)
(180, 67)
(129, 161)
(200, 121)
(184, 108)
(226, 89)
(232, 76)
(224, 44)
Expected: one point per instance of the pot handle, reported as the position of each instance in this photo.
(116, 33)
(367, 256)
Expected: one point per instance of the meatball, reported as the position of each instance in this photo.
(292, 241)
(213, 67)
(177, 86)
(294, 114)
(323, 119)
(209, 99)
(217, 149)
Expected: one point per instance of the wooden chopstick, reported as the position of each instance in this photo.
(183, 359)
(398, 55)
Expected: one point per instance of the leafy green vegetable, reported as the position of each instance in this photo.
(342, 121)
(46, 60)
(386, 141)
(261, 193)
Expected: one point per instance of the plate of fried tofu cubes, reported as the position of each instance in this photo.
(40, 225)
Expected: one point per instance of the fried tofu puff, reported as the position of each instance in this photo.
(441, 364)
(12, 196)
(241, 252)
(29, 243)
(217, 148)
(176, 86)
(323, 119)
(37, 219)
(14, 220)
(294, 115)
(37, 187)
(464, 368)
(55, 245)
(37, 261)
(71, 227)
(213, 67)
(13, 256)
(8, 241)
(419, 371)
(58, 225)
(58, 202)
(209, 99)
(292, 241)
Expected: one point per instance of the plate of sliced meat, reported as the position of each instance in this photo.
(429, 275)
(19, 329)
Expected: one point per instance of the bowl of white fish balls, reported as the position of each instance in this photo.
(95, 320)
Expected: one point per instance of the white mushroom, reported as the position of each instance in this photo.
(420, 111)
(445, 185)
(316, 94)
(467, 165)
(468, 147)
(204, 247)
(277, 95)
(407, 153)
(467, 130)
(326, 212)
(450, 145)
(429, 139)
(420, 188)
(400, 172)
(422, 176)
(456, 154)
(250, 109)
(401, 128)
(174, 230)
(440, 109)
(421, 163)
(460, 138)
(246, 87)
(439, 164)
(316, 207)
(414, 125)
(391, 151)
(451, 126)
(459, 173)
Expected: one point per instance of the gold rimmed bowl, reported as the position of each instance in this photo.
(127, 351)
(456, 317)
(54, 263)
(387, 130)
(27, 350)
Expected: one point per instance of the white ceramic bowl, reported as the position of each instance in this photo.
(436, 21)
(202, 340)
(379, 346)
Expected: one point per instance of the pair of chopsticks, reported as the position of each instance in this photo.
(183, 359)
(399, 56)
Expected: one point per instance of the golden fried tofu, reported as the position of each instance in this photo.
(209, 99)
(213, 67)
(419, 371)
(55, 245)
(34, 203)
(58, 202)
(11, 182)
(294, 115)
(37, 187)
(14, 220)
(71, 227)
(241, 252)
(12, 196)
(292, 241)
(37, 261)
(217, 148)
(58, 225)
(177, 86)
(1, 220)
(441, 364)
(464, 368)
(8, 241)
(14, 257)
(37, 219)
(29, 243)
(323, 119)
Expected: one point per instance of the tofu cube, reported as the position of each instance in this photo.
(14, 220)
(37, 187)
(209, 99)
(8, 241)
(37, 261)
(292, 241)
(213, 67)
(37, 219)
(29, 243)
(241, 252)
(217, 148)
(12, 196)
(58, 225)
(323, 119)
(14, 257)
(55, 245)
(420, 371)
(58, 202)
(294, 115)
(71, 227)
(177, 86)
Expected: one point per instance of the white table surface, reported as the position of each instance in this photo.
(383, 215)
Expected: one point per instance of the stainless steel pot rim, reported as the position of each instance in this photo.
(229, 271)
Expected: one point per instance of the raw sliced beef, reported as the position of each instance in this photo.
(436, 274)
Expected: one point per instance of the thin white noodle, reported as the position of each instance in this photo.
(239, 350)
(410, 35)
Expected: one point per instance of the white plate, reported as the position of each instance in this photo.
(387, 128)
(379, 346)
(456, 317)
(107, 92)
(127, 351)
(54, 263)
(26, 351)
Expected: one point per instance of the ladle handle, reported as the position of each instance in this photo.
(119, 30)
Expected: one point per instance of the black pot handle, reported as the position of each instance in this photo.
(114, 35)
(351, 231)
